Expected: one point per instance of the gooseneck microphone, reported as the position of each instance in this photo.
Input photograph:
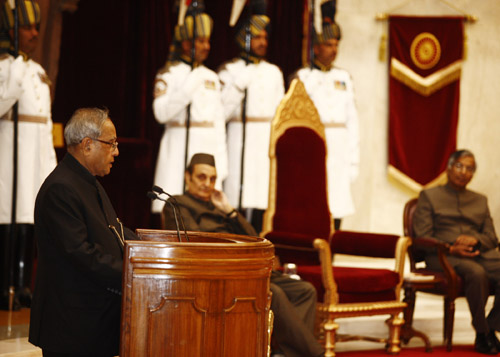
(159, 190)
(154, 196)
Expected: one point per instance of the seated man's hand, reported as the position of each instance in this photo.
(219, 199)
(463, 250)
(464, 239)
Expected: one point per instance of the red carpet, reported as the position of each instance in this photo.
(438, 351)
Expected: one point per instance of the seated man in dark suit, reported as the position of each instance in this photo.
(461, 217)
(205, 209)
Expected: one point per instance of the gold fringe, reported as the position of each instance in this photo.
(426, 86)
(382, 49)
(411, 184)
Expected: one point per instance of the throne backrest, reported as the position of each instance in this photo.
(298, 200)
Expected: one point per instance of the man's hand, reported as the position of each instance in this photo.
(466, 240)
(464, 246)
(220, 201)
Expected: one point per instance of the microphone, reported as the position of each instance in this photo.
(154, 196)
(159, 190)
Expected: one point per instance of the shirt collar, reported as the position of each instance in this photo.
(251, 58)
(321, 66)
(187, 60)
(75, 165)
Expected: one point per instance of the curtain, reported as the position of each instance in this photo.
(424, 93)
(110, 53)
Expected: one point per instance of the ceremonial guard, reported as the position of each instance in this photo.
(24, 81)
(331, 90)
(186, 91)
(252, 84)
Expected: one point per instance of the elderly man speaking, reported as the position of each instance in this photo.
(76, 302)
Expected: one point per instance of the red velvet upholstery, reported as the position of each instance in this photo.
(364, 244)
(354, 284)
(301, 201)
(305, 256)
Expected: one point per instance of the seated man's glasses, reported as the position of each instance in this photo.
(460, 167)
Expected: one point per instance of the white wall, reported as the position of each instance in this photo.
(379, 202)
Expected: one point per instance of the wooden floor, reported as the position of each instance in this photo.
(428, 318)
(14, 335)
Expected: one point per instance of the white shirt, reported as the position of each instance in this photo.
(26, 82)
(176, 87)
(265, 89)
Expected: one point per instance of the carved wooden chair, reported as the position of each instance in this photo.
(299, 223)
(448, 284)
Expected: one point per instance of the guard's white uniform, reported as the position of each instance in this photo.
(175, 87)
(333, 95)
(264, 82)
(27, 82)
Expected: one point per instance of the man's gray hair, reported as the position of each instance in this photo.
(85, 122)
(458, 154)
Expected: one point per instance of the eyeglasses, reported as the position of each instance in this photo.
(113, 144)
(459, 166)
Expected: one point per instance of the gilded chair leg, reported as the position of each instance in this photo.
(394, 343)
(330, 328)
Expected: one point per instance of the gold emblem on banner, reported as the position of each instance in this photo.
(425, 50)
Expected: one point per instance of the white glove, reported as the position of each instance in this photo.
(17, 71)
(244, 78)
(192, 82)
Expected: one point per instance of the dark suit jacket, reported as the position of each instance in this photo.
(76, 301)
(444, 213)
(203, 216)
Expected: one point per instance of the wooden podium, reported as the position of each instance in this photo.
(206, 297)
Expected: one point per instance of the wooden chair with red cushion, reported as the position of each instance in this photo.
(299, 223)
(449, 284)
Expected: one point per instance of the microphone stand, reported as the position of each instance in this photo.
(188, 109)
(154, 196)
(248, 39)
(159, 190)
(15, 120)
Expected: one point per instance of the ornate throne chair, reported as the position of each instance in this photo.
(299, 223)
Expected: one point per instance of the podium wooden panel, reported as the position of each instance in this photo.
(206, 297)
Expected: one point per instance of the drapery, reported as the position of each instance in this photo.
(424, 92)
(110, 53)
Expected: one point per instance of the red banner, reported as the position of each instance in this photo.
(424, 93)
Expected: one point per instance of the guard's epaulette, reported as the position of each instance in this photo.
(166, 67)
(4, 55)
